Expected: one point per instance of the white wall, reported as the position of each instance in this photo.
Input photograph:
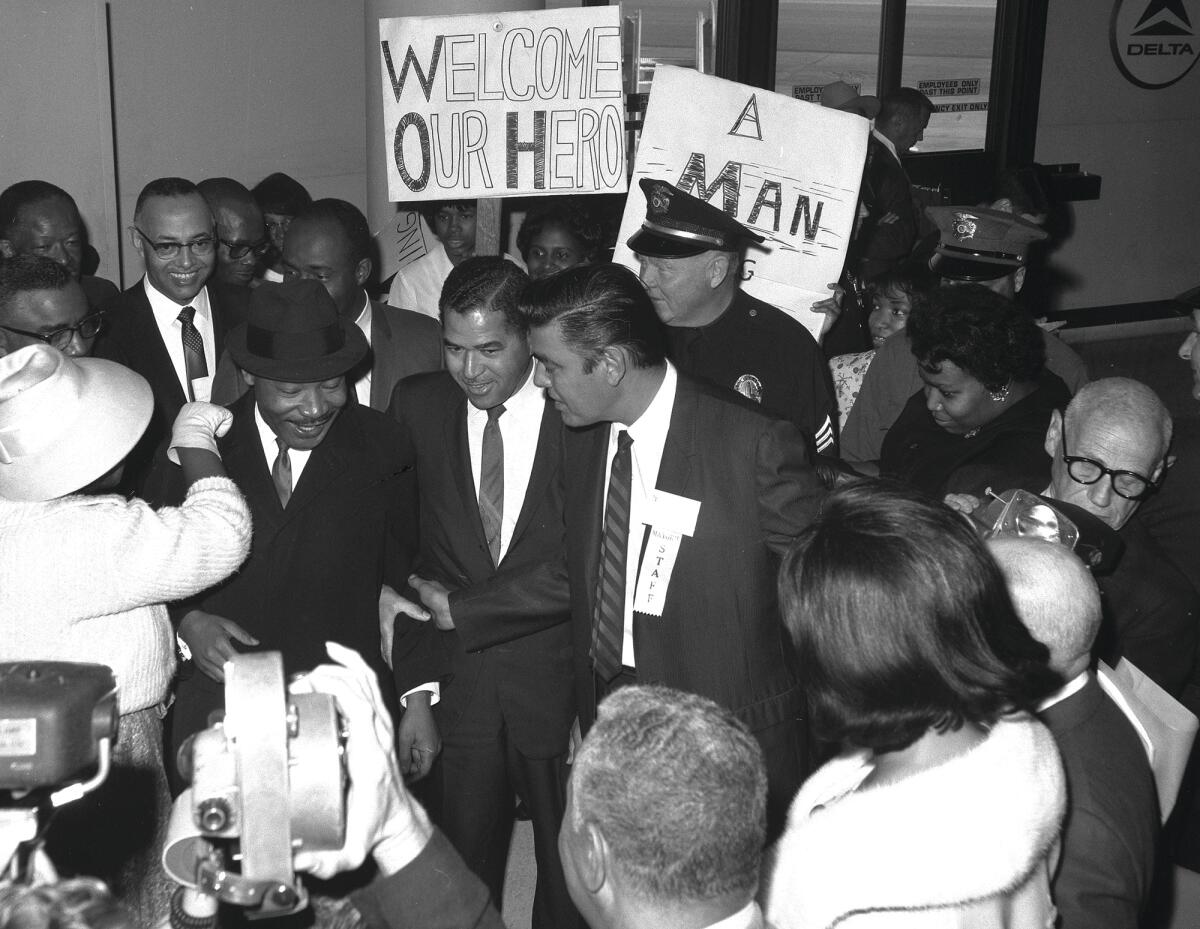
(55, 121)
(238, 88)
(1141, 240)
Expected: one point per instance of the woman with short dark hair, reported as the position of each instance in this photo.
(562, 234)
(945, 806)
(980, 421)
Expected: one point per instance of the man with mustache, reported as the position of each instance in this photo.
(331, 492)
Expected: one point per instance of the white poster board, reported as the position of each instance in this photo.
(503, 105)
(787, 169)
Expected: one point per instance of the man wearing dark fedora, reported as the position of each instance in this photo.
(331, 493)
(689, 255)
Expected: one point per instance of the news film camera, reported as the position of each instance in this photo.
(58, 724)
(267, 780)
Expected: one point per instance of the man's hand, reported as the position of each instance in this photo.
(382, 818)
(436, 598)
(963, 503)
(831, 307)
(211, 639)
(417, 740)
(391, 605)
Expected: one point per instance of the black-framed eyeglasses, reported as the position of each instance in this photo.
(167, 250)
(239, 250)
(1127, 484)
(88, 328)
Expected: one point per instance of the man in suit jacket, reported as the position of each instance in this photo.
(724, 487)
(490, 570)
(331, 494)
(889, 229)
(1111, 829)
(146, 330)
(330, 242)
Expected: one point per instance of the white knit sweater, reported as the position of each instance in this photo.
(86, 578)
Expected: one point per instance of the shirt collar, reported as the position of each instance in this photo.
(526, 400)
(744, 918)
(885, 142)
(363, 320)
(656, 418)
(164, 307)
(1072, 687)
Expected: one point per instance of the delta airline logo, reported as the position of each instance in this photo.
(1154, 41)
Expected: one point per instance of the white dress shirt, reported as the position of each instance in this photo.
(297, 457)
(649, 434)
(362, 387)
(166, 315)
(520, 425)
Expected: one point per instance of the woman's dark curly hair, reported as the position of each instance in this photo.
(986, 335)
(579, 219)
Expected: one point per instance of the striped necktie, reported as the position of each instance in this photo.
(491, 481)
(608, 628)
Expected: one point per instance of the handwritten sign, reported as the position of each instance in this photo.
(788, 169)
(507, 104)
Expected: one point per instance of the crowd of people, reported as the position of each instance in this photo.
(708, 599)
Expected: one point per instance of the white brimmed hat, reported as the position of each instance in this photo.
(64, 422)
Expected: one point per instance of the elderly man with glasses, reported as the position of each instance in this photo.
(41, 302)
(1109, 451)
(170, 326)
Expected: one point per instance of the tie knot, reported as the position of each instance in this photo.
(281, 445)
(495, 412)
(186, 315)
(624, 440)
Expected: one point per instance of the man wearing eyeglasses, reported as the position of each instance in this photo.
(242, 241)
(170, 326)
(40, 302)
(1109, 453)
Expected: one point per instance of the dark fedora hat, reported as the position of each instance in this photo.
(294, 333)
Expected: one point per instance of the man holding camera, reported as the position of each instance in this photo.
(331, 494)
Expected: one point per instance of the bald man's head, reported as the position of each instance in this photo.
(1056, 598)
(1118, 423)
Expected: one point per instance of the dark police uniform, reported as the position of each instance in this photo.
(765, 355)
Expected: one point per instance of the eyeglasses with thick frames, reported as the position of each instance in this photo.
(202, 246)
(239, 250)
(1127, 484)
(88, 328)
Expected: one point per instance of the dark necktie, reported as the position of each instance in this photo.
(281, 474)
(491, 481)
(193, 349)
(608, 630)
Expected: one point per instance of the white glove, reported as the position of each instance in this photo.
(199, 425)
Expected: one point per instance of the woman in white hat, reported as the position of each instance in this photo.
(84, 577)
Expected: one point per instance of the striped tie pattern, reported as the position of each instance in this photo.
(193, 349)
(491, 481)
(608, 628)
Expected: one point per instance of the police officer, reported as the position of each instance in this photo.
(689, 253)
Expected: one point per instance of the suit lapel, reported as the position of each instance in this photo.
(326, 464)
(680, 447)
(545, 456)
(148, 344)
(460, 463)
(383, 360)
(246, 463)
